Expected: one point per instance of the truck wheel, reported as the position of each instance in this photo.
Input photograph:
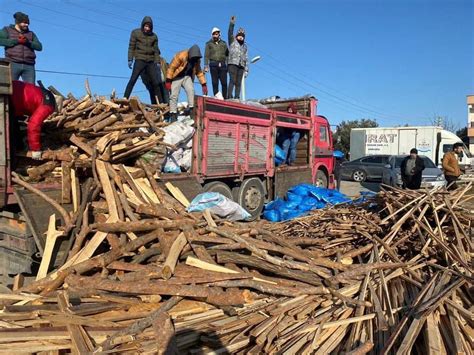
(321, 179)
(220, 187)
(251, 196)
(359, 175)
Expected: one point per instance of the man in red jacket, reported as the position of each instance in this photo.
(36, 103)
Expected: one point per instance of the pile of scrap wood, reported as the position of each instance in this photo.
(142, 275)
(113, 130)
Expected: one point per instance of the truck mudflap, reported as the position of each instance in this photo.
(189, 185)
(286, 178)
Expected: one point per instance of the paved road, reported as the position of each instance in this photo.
(353, 189)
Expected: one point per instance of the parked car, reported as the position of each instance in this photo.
(365, 168)
(431, 177)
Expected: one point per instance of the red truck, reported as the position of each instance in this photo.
(234, 145)
(233, 153)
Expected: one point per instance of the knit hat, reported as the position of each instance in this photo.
(21, 17)
(414, 151)
(240, 32)
(215, 29)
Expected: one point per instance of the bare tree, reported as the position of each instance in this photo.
(444, 121)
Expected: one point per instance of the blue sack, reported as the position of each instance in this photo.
(272, 215)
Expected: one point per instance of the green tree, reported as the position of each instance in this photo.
(462, 133)
(342, 136)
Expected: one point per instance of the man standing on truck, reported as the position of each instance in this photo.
(20, 45)
(37, 103)
(238, 59)
(181, 72)
(451, 166)
(215, 58)
(143, 48)
(411, 170)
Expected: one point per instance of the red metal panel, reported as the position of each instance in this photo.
(259, 148)
(220, 148)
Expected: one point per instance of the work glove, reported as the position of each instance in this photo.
(204, 89)
(22, 40)
(130, 64)
(168, 85)
(206, 69)
(36, 155)
(232, 20)
(246, 74)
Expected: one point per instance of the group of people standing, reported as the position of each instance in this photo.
(164, 82)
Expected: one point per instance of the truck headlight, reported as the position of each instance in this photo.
(440, 177)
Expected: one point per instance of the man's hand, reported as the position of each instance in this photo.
(232, 20)
(246, 74)
(130, 64)
(206, 69)
(204, 89)
(22, 40)
(36, 155)
(168, 85)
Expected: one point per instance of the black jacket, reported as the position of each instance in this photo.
(412, 181)
(144, 46)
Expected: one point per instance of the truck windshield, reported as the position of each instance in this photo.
(466, 151)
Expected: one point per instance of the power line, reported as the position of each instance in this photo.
(82, 74)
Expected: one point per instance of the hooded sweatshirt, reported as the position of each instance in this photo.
(144, 46)
(187, 62)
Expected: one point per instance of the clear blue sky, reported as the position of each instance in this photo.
(397, 61)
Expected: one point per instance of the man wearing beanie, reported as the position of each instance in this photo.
(143, 49)
(238, 59)
(411, 170)
(215, 58)
(181, 72)
(20, 45)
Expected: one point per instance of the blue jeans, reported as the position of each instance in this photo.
(25, 71)
(290, 140)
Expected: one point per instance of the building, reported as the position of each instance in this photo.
(470, 121)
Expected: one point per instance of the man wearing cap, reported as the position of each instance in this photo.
(215, 58)
(411, 170)
(143, 49)
(238, 59)
(20, 45)
(181, 72)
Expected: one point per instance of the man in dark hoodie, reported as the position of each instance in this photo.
(20, 45)
(143, 48)
(181, 72)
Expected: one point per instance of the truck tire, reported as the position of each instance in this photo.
(220, 187)
(321, 179)
(251, 196)
(359, 175)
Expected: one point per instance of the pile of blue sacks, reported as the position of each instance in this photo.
(300, 200)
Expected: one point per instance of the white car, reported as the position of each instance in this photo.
(432, 176)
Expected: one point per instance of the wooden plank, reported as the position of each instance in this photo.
(66, 182)
(173, 255)
(177, 194)
(51, 236)
(107, 188)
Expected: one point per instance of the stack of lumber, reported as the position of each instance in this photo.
(113, 130)
(144, 276)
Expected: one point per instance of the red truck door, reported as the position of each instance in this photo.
(323, 152)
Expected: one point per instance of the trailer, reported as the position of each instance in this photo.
(431, 141)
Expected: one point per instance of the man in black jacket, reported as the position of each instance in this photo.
(143, 48)
(411, 170)
(215, 58)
